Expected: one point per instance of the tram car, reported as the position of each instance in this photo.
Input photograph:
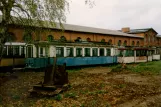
(40, 54)
(137, 54)
(13, 55)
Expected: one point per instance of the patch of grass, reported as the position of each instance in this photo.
(16, 97)
(98, 92)
(70, 95)
(58, 97)
(102, 85)
(149, 67)
(120, 86)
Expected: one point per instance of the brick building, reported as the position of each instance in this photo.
(74, 33)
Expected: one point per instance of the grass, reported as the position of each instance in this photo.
(150, 67)
(147, 67)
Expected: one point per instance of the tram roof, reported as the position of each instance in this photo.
(70, 27)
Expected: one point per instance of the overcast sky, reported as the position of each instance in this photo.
(115, 14)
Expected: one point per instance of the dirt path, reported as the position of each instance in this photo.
(90, 87)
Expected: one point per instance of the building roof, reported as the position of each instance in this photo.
(134, 31)
(158, 36)
(76, 28)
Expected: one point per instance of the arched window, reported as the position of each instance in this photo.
(88, 39)
(78, 39)
(119, 43)
(27, 37)
(133, 43)
(125, 43)
(109, 42)
(63, 39)
(103, 40)
(50, 38)
(138, 43)
(11, 37)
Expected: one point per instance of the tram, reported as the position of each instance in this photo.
(40, 54)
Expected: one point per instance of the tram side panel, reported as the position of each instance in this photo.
(70, 61)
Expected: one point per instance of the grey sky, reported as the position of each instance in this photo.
(115, 14)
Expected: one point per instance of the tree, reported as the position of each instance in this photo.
(26, 12)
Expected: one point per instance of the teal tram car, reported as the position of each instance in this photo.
(40, 54)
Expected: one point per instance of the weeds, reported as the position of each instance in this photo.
(58, 97)
(70, 95)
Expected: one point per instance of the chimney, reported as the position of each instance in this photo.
(126, 29)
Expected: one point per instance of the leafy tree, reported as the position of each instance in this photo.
(26, 12)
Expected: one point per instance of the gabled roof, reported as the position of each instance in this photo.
(76, 28)
(134, 31)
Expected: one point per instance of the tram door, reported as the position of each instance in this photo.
(29, 51)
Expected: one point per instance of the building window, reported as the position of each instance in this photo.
(138, 43)
(50, 38)
(119, 43)
(27, 37)
(133, 43)
(11, 37)
(59, 51)
(78, 39)
(125, 43)
(78, 52)
(63, 39)
(95, 51)
(103, 40)
(69, 52)
(87, 51)
(109, 42)
(88, 39)
(101, 51)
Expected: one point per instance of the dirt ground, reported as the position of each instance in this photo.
(90, 87)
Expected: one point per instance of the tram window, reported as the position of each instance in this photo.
(46, 51)
(23, 51)
(16, 50)
(4, 51)
(78, 52)
(10, 51)
(126, 52)
(131, 53)
(108, 52)
(137, 53)
(87, 51)
(101, 51)
(41, 52)
(121, 53)
(29, 52)
(60, 52)
(95, 51)
(69, 52)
